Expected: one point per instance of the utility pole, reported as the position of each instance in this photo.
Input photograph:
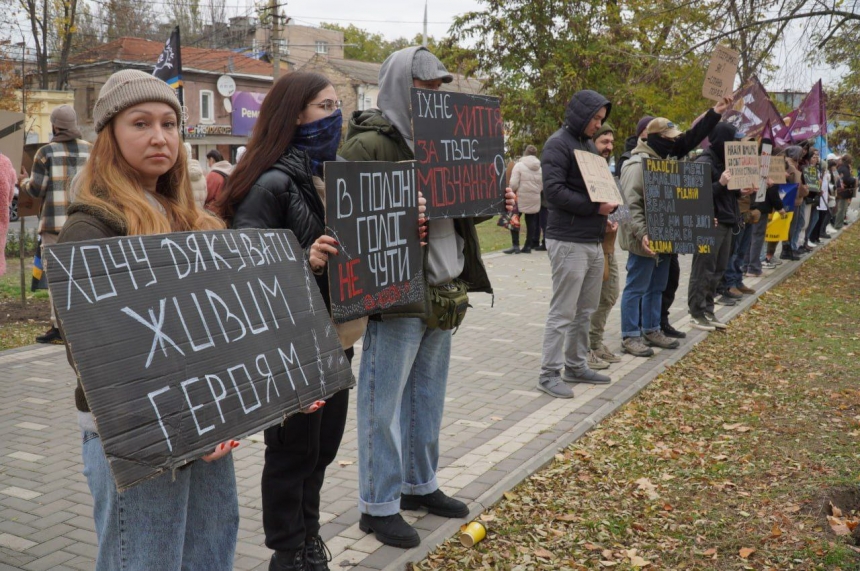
(424, 43)
(21, 218)
(276, 40)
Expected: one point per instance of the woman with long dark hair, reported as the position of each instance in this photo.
(278, 184)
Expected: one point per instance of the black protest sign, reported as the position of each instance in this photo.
(186, 340)
(812, 179)
(372, 211)
(459, 146)
(679, 207)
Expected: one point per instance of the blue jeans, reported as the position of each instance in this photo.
(813, 220)
(754, 254)
(796, 226)
(646, 279)
(734, 276)
(401, 396)
(185, 521)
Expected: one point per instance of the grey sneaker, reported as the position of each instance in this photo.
(604, 354)
(635, 346)
(587, 376)
(594, 362)
(658, 339)
(554, 387)
(701, 323)
(714, 321)
(725, 300)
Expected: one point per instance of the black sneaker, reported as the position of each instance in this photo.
(436, 503)
(390, 530)
(512, 250)
(292, 560)
(526, 250)
(317, 554)
(670, 331)
(50, 336)
(542, 248)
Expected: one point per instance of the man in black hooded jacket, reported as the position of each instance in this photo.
(574, 237)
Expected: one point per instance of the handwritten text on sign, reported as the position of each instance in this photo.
(459, 146)
(186, 340)
(599, 181)
(766, 157)
(744, 164)
(372, 211)
(679, 207)
(720, 78)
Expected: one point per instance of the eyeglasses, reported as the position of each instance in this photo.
(329, 104)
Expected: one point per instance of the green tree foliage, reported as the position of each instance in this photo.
(535, 54)
(361, 44)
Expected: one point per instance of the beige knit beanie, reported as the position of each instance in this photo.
(127, 88)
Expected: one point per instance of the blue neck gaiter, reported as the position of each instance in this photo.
(320, 140)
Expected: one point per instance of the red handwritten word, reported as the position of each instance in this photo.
(425, 152)
(478, 121)
(459, 184)
(348, 280)
(387, 297)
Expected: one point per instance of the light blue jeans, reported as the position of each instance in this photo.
(643, 294)
(401, 396)
(186, 524)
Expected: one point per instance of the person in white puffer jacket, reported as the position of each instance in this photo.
(527, 182)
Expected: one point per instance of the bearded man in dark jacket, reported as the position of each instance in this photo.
(574, 238)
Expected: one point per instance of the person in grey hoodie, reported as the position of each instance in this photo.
(574, 238)
(404, 363)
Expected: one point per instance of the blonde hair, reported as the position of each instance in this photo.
(109, 183)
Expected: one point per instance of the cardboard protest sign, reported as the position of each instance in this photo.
(12, 137)
(372, 211)
(599, 181)
(460, 148)
(720, 78)
(778, 227)
(764, 162)
(812, 179)
(186, 340)
(679, 207)
(777, 169)
(744, 163)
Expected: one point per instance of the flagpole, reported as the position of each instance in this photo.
(181, 90)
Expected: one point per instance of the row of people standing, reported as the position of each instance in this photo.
(140, 184)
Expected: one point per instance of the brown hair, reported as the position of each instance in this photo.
(531, 150)
(109, 183)
(273, 133)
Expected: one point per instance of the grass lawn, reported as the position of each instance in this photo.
(494, 238)
(729, 460)
(20, 325)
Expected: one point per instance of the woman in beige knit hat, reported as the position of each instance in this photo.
(136, 182)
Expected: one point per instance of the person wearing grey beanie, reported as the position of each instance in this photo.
(137, 184)
(127, 88)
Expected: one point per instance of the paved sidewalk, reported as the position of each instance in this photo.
(497, 430)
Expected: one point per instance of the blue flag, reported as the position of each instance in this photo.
(788, 194)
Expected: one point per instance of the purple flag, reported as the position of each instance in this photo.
(751, 109)
(810, 119)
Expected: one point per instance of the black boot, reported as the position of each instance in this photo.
(390, 530)
(317, 554)
(53, 334)
(436, 503)
(670, 331)
(512, 250)
(292, 560)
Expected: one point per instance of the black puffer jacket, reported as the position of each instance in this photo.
(726, 208)
(573, 216)
(284, 197)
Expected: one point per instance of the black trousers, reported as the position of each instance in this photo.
(671, 290)
(532, 230)
(297, 455)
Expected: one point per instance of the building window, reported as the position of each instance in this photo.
(207, 107)
(322, 47)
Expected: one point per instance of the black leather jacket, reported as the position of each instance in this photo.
(284, 197)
